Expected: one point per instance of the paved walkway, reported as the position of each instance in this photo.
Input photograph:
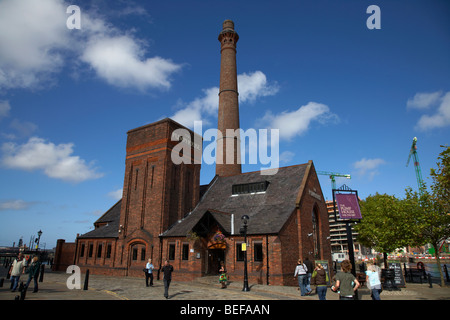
(208, 288)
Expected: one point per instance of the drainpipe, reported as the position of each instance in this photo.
(267, 259)
(232, 223)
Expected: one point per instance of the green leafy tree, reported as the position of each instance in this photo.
(430, 211)
(441, 180)
(384, 226)
(421, 218)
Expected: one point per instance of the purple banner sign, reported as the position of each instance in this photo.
(348, 206)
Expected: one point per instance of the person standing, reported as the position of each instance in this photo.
(167, 271)
(223, 275)
(320, 280)
(16, 270)
(309, 265)
(33, 273)
(346, 282)
(300, 272)
(149, 273)
(373, 280)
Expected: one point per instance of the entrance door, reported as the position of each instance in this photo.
(136, 258)
(215, 257)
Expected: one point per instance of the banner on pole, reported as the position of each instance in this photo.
(348, 206)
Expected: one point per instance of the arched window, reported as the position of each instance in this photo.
(316, 232)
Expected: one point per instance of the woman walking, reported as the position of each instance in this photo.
(301, 274)
(320, 280)
(373, 281)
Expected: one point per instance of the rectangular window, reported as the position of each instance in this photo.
(135, 253)
(239, 252)
(108, 251)
(99, 250)
(249, 188)
(143, 254)
(91, 250)
(171, 251)
(185, 255)
(82, 250)
(257, 252)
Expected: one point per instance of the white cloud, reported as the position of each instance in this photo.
(424, 100)
(286, 156)
(5, 107)
(254, 85)
(36, 45)
(120, 60)
(297, 122)
(23, 128)
(33, 36)
(56, 161)
(116, 194)
(199, 109)
(440, 118)
(368, 167)
(251, 86)
(15, 205)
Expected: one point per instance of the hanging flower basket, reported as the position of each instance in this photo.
(219, 237)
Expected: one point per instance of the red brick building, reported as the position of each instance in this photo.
(164, 213)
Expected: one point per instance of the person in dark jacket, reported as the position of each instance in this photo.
(167, 270)
(33, 273)
(320, 280)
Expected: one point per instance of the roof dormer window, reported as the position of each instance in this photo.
(250, 188)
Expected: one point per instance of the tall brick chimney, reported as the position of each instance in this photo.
(228, 152)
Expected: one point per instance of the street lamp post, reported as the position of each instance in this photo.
(243, 230)
(38, 239)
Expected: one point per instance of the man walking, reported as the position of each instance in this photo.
(16, 270)
(149, 273)
(167, 271)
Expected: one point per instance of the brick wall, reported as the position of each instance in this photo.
(64, 255)
(157, 192)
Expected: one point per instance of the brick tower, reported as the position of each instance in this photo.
(228, 157)
(156, 193)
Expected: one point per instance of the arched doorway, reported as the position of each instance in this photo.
(137, 257)
(216, 255)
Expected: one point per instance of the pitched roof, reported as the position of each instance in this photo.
(268, 211)
(110, 224)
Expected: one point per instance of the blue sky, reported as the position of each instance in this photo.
(347, 97)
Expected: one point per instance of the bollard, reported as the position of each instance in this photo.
(1, 282)
(41, 276)
(21, 286)
(429, 280)
(86, 280)
(446, 272)
(23, 293)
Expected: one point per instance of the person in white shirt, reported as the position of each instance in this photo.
(301, 274)
(373, 281)
(149, 273)
(16, 270)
